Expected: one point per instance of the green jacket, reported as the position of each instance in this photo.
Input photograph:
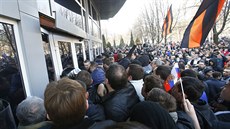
(41, 125)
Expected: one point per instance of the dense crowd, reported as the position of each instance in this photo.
(126, 89)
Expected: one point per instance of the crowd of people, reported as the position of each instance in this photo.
(126, 89)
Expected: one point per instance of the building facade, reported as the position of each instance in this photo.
(40, 38)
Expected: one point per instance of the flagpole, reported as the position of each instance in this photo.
(182, 89)
(165, 38)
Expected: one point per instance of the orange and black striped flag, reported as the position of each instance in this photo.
(198, 29)
(167, 26)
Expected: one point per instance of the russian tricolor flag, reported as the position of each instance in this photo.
(175, 73)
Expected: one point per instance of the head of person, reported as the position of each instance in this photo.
(85, 76)
(212, 62)
(31, 111)
(128, 125)
(208, 72)
(189, 72)
(98, 76)
(86, 64)
(152, 115)
(116, 77)
(150, 82)
(65, 102)
(112, 60)
(99, 63)
(217, 75)
(120, 56)
(136, 61)
(166, 100)
(135, 72)
(144, 59)
(124, 62)
(93, 66)
(163, 72)
(201, 65)
(155, 63)
(106, 63)
(68, 72)
(226, 72)
(193, 89)
(181, 66)
(225, 93)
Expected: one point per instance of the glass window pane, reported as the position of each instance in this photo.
(65, 53)
(90, 26)
(84, 20)
(95, 30)
(48, 57)
(94, 14)
(83, 4)
(11, 83)
(89, 7)
(80, 59)
(86, 49)
(74, 17)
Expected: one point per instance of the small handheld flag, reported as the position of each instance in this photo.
(173, 78)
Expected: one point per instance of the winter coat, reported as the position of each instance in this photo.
(118, 104)
(204, 114)
(214, 88)
(184, 121)
(95, 111)
(89, 124)
(41, 125)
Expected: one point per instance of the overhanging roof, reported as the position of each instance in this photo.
(107, 8)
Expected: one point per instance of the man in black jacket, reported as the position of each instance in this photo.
(121, 95)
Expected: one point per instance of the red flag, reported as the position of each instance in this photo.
(167, 26)
(198, 29)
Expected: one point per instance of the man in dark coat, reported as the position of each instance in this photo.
(121, 95)
(214, 86)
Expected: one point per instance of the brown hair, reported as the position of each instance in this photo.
(163, 71)
(216, 74)
(136, 71)
(166, 100)
(85, 76)
(65, 102)
(152, 81)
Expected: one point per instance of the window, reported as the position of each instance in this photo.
(96, 31)
(74, 17)
(90, 26)
(89, 7)
(48, 57)
(11, 82)
(94, 14)
(65, 53)
(79, 52)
